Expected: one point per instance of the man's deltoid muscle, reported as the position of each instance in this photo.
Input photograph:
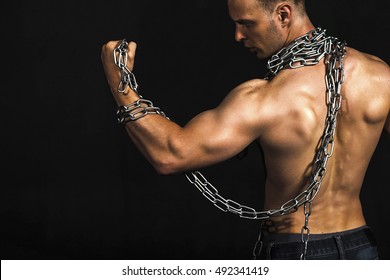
(299, 117)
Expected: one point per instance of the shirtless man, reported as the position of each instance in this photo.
(286, 115)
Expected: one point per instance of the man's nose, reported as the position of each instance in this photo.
(239, 35)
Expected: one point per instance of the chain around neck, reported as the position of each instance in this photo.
(305, 50)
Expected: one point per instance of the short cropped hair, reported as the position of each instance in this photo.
(269, 5)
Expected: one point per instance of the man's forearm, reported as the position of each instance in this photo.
(153, 136)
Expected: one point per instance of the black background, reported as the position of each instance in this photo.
(74, 185)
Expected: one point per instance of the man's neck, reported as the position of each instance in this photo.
(298, 28)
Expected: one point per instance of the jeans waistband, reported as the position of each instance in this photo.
(357, 243)
(361, 234)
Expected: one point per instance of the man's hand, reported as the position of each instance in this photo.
(112, 71)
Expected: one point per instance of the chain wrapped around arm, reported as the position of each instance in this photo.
(139, 108)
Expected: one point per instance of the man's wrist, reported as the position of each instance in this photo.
(136, 110)
(128, 97)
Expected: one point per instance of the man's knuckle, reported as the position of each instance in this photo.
(113, 44)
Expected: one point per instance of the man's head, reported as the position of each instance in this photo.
(269, 5)
(265, 26)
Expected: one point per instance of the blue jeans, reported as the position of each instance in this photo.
(355, 244)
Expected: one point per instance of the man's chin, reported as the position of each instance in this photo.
(261, 55)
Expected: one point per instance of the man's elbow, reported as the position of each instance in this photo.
(164, 170)
(174, 160)
(167, 166)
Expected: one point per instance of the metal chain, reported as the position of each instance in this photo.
(127, 76)
(334, 77)
(139, 108)
(306, 50)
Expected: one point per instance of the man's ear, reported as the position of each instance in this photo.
(284, 12)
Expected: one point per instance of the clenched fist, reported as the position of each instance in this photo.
(113, 72)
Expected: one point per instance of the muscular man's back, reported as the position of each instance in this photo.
(294, 115)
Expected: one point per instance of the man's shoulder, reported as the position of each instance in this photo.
(361, 54)
(247, 90)
(253, 96)
(250, 86)
(367, 69)
(366, 61)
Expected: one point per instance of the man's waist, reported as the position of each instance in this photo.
(352, 234)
